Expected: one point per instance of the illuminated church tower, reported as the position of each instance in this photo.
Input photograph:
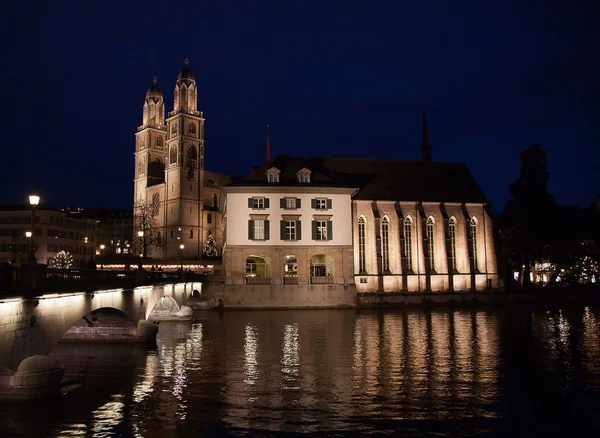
(169, 173)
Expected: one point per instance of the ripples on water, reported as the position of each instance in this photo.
(333, 373)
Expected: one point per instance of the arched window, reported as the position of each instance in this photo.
(174, 129)
(159, 142)
(155, 204)
(474, 240)
(192, 129)
(214, 200)
(430, 242)
(452, 238)
(385, 244)
(173, 155)
(361, 245)
(408, 243)
(192, 155)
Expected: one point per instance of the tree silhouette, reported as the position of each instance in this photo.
(145, 218)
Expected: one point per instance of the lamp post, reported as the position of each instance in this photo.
(85, 240)
(142, 236)
(181, 254)
(34, 200)
(28, 234)
(102, 249)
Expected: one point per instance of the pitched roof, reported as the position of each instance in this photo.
(377, 179)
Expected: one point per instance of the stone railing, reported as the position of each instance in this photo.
(290, 280)
(258, 280)
(321, 280)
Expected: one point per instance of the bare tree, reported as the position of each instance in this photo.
(145, 219)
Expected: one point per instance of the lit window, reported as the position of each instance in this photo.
(408, 243)
(474, 241)
(361, 245)
(385, 244)
(259, 229)
(430, 242)
(290, 202)
(452, 237)
(258, 203)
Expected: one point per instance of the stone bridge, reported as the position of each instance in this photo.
(31, 327)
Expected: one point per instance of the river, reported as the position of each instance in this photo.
(333, 373)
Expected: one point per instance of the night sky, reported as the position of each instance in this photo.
(342, 79)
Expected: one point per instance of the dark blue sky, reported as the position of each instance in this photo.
(333, 78)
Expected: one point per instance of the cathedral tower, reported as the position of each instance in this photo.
(184, 168)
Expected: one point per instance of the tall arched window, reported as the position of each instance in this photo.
(155, 204)
(408, 242)
(361, 245)
(192, 129)
(192, 155)
(452, 237)
(474, 240)
(159, 142)
(173, 155)
(430, 247)
(214, 200)
(385, 245)
(174, 129)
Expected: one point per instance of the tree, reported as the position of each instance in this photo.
(145, 219)
(62, 260)
(210, 247)
(527, 222)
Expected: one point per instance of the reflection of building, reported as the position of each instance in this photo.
(55, 230)
(170, 180)
(385, 225)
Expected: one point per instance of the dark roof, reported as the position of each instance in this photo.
(377, 179)
(185, 73)
(154, 93)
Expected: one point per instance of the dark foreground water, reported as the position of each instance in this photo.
(334, 373)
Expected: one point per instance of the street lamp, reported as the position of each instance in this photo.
(28, 234)
(143, 237)
(102, 249)
(85, 241)
(181, 248)
(34, 200)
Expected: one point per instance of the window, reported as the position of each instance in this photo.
(214, 200)
(303, 178)
(192, 129)
(290, 202)
(452, 238)
(430, 248)
(290, 230)
(259, 230)
(159, 142)
(258, 202)
(192, 154)
(273, 178)
(174, 129)
(321, 230)
(408, 243)
(385, 244)
(173, 155)
(171, 234)
(209, 218)
(191, 234)
(361, 245)
(474, 241)
(155, 204)
(321, 204)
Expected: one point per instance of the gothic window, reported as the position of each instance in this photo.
(155, 204)
(430, 243)
(174, 129)
(408, 242)
(192, 155)
(452, 238)
(191, 234)
(474, 240)
(385, 244)
(173, 155)
(361, 245)
(214, 200)
(192, 129)
(159, 142)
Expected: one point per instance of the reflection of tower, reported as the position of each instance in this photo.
(185, 163)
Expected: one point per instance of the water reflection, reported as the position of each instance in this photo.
(334, 372)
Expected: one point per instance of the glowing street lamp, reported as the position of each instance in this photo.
(181, 250)
(34, 200)
(142, 236)
(102, 249)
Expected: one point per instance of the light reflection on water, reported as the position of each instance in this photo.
(334, 373)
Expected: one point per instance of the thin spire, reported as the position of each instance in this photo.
(425, 147)
(268, 143)
(187, 61)
(154, 80)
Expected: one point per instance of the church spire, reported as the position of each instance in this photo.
(268, 143)
(425, 147)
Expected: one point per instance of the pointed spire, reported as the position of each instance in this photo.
(154, 80)
(187, 61)
(268, 143)
(425, 147)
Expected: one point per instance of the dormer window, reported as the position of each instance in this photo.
(303, 176)
(273, 175)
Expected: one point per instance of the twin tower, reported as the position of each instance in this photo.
(169, 194)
